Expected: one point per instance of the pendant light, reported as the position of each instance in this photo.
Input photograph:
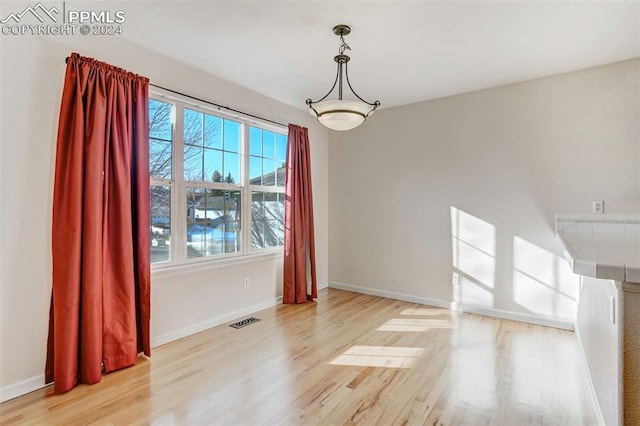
(341, 114)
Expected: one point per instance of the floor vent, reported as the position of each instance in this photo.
(244, 322)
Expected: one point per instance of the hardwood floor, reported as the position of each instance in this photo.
(349, 358)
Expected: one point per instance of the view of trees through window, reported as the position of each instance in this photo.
(211, 183)
(160, 168)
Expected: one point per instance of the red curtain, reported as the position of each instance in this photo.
(299, 245)
(100, 303)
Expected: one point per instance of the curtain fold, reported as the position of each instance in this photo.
(299, 275)
(100, 302)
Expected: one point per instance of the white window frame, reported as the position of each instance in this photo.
(178, 188)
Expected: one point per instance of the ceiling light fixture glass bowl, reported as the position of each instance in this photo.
(341, 114)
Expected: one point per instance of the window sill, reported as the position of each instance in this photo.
(208, 264)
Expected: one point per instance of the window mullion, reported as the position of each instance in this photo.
(259, 188)
(159, 182)
(179, 208)
(214, 185)
(246, 191)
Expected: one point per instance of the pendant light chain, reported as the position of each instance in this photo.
(343, 45)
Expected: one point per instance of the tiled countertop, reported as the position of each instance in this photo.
(602, 246)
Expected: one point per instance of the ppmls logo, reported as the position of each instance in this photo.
(43, 20)
(33, 10)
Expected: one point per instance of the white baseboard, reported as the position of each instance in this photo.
(212, 322)
(592, 389)
(516, 316)
(490, 312)
(391, 295)
(21, 388)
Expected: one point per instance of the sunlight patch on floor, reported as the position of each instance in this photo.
(379, 356)
(424, 311)
(415, 324)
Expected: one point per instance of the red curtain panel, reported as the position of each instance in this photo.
(299, 274)
(100, 303)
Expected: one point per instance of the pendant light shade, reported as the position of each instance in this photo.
(341, 114)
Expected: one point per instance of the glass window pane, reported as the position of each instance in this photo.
(160, 120)
(232, 168)
(270, 199)
(160, 159)
(192, 163)
(269, 172)
(257, 205)
(255, 139)
(160, 223)
(231, 136)
(272, 233)
(192, 127)
(257, 235)
(214, 206)
(212, 131)
(232, 216)
(213, 165)
(213, 226)
(216, 176)
(232, 206)
(267, 226)
(281, 198)
(231, 237)
(281, 148)
(280, 173)
(255, 171)
(268, 144)
(273, 206)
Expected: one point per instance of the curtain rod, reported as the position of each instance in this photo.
(211, 103)
(219, 106)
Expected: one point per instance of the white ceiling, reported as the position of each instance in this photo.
(402, 51)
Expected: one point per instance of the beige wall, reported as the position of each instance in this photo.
(500, 162)
(31, 85)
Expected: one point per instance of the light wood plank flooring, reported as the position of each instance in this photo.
(349, 358)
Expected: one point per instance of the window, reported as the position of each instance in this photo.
(217, 184)
(160, 168)
(268, 152)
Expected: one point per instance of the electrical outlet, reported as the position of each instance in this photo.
(455, 279)
(598, 207)
(246, 282)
